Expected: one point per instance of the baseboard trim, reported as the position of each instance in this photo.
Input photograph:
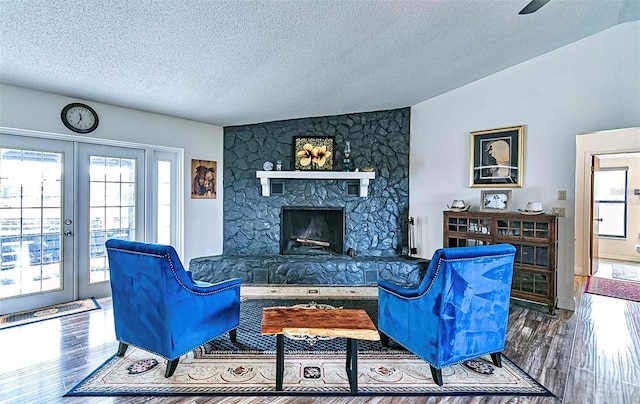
(567, 303)
(619, 258)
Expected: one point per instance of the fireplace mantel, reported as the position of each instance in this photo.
(362, 176)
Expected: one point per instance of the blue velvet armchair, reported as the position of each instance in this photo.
(459, 310)
(159, 308)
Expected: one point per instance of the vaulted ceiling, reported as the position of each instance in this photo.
(240, 62)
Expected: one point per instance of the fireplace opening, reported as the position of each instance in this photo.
(311, 231)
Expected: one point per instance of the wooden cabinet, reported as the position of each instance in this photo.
(535, 238)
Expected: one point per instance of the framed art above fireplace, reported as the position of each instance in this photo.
(313, 152)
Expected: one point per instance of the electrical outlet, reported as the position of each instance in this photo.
(562, 195)
(560, 212)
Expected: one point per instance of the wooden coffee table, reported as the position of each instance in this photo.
(345, 323)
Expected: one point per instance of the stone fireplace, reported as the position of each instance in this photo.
(311, 231)
(262, 231)
(374, 226)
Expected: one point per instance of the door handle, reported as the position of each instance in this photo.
(68, 233)
(598, 220)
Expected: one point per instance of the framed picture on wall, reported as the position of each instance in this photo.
(203, 179)
(313, 152)
(497, 158)
(495, 200)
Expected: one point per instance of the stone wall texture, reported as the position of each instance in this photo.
(375, 225)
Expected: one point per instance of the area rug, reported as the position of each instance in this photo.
(313, 366)
(47, 313)
(613, 288)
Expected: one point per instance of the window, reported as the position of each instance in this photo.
(165, 203)
(163, 227)
(610, 201)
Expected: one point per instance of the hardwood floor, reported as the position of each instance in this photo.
(588, 356)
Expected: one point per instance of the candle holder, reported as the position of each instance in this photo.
(346, 161)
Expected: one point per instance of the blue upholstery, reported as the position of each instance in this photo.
(159, 308)
(458, 312)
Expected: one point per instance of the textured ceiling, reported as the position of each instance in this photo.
(239, 62)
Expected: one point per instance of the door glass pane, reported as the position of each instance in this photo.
(610, 200)
(31, 202)
(164, 202)
(112, 209)
(613, 219)
(610, 185)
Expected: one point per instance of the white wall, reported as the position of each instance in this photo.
(587, 86)
(625, 249)
(202, 222)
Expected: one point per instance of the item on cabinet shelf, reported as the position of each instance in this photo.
(532, 208)
(267, 166)
(458, 205)
(367, 169)
(279, 165)
(347, 156)
(495, 200)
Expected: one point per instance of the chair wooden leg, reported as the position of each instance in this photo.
(497, 359)
(122, 348)
(436, 374)
(233, 335)
(384, 339)
(171, 367)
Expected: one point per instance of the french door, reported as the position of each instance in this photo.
(110, 193)
(61, 200)
(36, 221)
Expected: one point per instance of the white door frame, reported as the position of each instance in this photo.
(587, 146)
(152, 154)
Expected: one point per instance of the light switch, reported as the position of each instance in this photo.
(560, 212)
(562, 195)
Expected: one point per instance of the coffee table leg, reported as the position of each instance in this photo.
(279, 360)
(352, 364)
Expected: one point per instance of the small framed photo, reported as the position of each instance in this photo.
(313, 152)
(497, 158)
(495, 200)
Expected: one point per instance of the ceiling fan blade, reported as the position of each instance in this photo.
(533, 6)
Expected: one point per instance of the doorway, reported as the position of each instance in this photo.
(60, 200)
(616, 207)
(621, 141)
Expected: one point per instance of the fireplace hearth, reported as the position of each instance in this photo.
(312, 231)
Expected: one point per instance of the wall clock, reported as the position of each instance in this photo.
(79, 118)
